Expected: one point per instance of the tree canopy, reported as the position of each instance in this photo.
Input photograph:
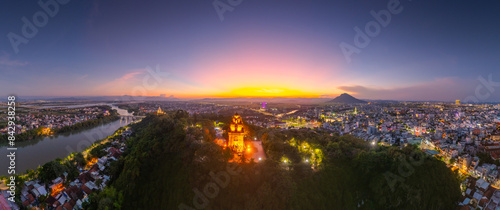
(169, 165)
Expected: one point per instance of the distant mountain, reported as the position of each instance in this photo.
(347, 99)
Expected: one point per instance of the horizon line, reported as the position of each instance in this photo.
(237, 97)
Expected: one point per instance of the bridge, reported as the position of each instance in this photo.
(130, 118)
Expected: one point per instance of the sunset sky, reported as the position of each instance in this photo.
(429, 51)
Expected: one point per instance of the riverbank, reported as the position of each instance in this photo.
(44, 132)
(34, 153)
(60, 177)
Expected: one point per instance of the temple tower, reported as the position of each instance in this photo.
(236, 134)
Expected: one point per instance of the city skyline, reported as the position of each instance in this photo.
(259, 49)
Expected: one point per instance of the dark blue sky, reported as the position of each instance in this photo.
(429, 51)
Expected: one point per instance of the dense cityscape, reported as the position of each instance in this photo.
(466, 137)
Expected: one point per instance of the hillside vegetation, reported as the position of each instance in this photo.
(171, 163)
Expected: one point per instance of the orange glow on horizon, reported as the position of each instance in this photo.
(247, 68)
(251, 92)
(266, 93)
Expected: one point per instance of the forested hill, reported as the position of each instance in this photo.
(171, 163)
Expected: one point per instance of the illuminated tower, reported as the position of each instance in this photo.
(236, 134)
(263, 105)
(457, 102)
(159, 111)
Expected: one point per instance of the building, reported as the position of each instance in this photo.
(159, 111)
(236, 134)
(4, 204)
(457, 102)
(495, 137)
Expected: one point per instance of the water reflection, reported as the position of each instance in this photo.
(33, 153)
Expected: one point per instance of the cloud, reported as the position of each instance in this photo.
(440, 89)
(82, 77)
(6, 61)
(123, 81)
(131, 75)
(326, 96)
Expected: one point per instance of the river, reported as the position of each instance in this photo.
(33, 153)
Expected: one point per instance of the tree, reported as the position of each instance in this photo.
(350, 173)
(79, 160)
(108, 199)
(50, 171)
(98, 182)
(453, 161)
(42, 199)
(485, 157)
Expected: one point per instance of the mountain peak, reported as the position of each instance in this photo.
(345, 98)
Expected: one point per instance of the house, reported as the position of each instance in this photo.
(102, 160)
(114, 152)
(483, 202)
(74, 193)
(56, 188)
(467, 207)
(31, 199)
(466, 201)
(279, 124)
(50, 201)
(40, 189)
(494, 200)
(482, 185)
(468, 192)
(477, 196)
(495, 137)
(474, 163)
(86, 189)
(57, 180)
(431, 152)
(62, 199)
(85, 177)
(126, 133)
(26, 203)
(67, 206)
(4, 205)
